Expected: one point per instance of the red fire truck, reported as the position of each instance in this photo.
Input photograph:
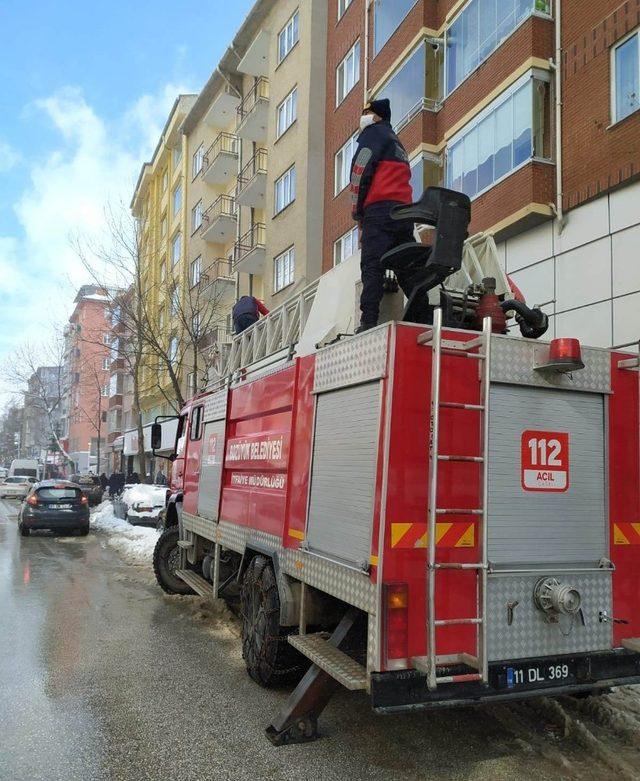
(437, 516)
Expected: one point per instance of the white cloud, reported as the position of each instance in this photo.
(95, 163)
(9, 157)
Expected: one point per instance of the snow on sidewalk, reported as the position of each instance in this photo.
(134, 543)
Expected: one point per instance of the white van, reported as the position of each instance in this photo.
(26, 467)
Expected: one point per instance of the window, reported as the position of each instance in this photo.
(426, 171)
(285, 188)
(163, 270)
(507, 134)
(104, 390)
(195, 324)
(195, 271)
(173, 348)
(177, 155)
(342, 7)
(177, 199)
(411, 85)
(288, 37)
(175, 300)
(196, 423)
(106, 338)
(163, 226)
(161, 320)
(165, 180)
(479, 29)
(197, 160)
(176, 248)
(106, 362)
(345, 246)
(103, 416)
(348, 73)
(387, 16)
(196, 217)
(344, 156)
(626, 77)
(284, 269)
(287, 112)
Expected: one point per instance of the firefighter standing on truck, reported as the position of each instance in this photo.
(380, 180)
(246, 311)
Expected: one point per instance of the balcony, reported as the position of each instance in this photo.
(223, 109)
(219, 280)
(216, 336)
(256, 59)
(220, 163)
(253, 112)
(249, 254)
(252, 182)
(219, 221)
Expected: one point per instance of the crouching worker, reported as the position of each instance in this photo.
(380, 180)
(246, 311)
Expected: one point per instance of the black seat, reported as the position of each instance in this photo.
(420, 267)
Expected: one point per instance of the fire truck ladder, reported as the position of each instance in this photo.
(432, 661)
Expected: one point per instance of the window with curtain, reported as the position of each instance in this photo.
(288, 36)
(500, 139)
(284, 269)
(285, 189)
(345, 246)
(343, 159)
(348, 73)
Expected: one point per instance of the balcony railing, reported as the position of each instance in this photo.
(225, 144)
(221, 268)
(253, 239)
(223, 206)
(259, 92)
(257, 165)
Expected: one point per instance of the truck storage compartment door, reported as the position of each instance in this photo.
(212, 456)
(343, 473)
(546, 476)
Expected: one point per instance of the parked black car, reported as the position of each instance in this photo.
(91, 487)
(58, 505)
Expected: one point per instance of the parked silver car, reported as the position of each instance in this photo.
(16, 487)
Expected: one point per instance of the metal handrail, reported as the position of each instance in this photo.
(224, 143)
(257, 165)
(224, 205)
(255, 237)
(259, 91)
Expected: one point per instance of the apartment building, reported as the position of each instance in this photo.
(86, 380)
(42, 395)
(158, 205)
(536, 121)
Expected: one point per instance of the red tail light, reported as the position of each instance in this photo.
(32, 500)
(84, 499)
(396, 625)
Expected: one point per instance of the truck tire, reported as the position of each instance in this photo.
(269, 658)
(166, 559)
(24, 532)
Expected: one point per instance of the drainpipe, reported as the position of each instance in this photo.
(367, 6)
(557, 67)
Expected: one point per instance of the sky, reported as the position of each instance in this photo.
(85, 89)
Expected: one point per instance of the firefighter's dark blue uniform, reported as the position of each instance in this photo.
(380, 180)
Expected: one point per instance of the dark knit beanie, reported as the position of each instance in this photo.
(380, 107)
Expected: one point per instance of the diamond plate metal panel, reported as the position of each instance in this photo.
(373, 643)
(353, 361)
(332, 660)
(215, 407)
(530, 634)
(513, 361)
(198, 525)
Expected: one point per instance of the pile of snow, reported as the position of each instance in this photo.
(135, 497)
(134, 543)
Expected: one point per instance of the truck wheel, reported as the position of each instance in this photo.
(24, 532)
(270, 660)
(166, 560)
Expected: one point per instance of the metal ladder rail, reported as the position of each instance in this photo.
(434, 511)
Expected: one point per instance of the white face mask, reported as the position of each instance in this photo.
(366, 120)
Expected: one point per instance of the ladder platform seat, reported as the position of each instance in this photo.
(196, 582)
(332, 660)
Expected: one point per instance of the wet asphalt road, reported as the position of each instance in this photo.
(103, 677)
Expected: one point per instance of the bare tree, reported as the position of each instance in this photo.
(45, 392)
(162, 322)
(91, 408)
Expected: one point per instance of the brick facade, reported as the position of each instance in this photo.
(598, 156)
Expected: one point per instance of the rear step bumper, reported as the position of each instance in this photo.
(405, 690)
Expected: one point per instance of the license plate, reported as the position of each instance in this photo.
(63, 506)
(541, 675)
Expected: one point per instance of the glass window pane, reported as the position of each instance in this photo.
(470, 32)
(387, 16)
(522, 131)
(407, 88)
(487, 27)
(627, 70)
(470, 164)
(486, 145)
(503, 131)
